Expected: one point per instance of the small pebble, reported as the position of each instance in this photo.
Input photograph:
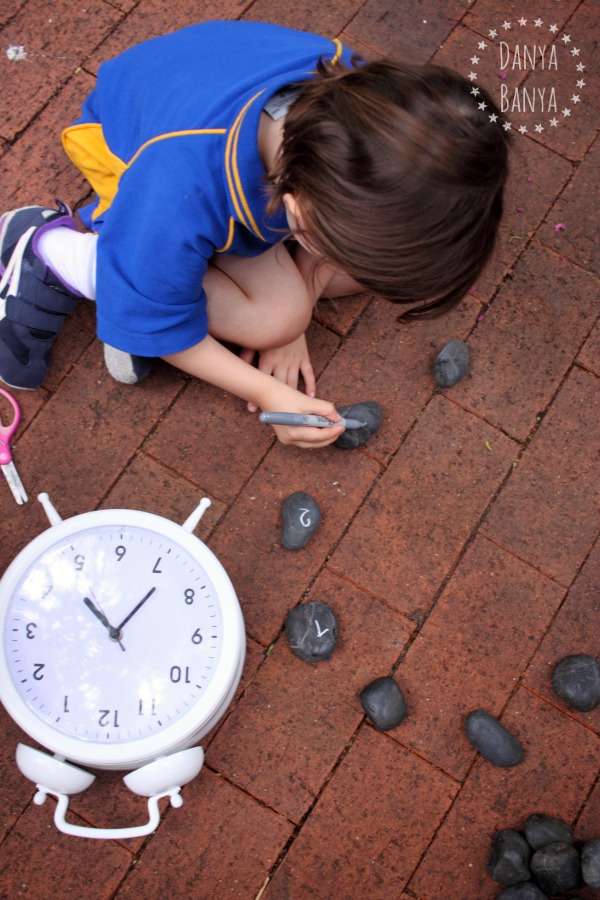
(312, 631)
(384, 703)
(556, 868)
(452, 364)
(577, 680)
(590, 863)
(368, 412)
(527, 890)
(492, 740)
(301, 517)
(509, 862)
(541, 829)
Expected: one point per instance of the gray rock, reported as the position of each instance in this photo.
(369, 412)
(590, 863)
(312, 631)
(492, 740)
(555, 868)
(541, 829)
(509, 862)
(384, 703)
(301, 517)
(527, 890)
(452, 364)
(577, 680)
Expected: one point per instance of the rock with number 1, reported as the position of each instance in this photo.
(311, 630)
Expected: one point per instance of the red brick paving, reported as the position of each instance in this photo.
(457, 548)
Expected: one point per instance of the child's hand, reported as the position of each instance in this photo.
(303, 436)
(285, 364)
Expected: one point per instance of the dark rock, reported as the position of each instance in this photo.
(492, 740)
(555, 868)
(301, 517)
(527, 890)
(577, 680)
(452, 364)
(509, 862)
(384, 703)
(312, 631)
(541, 829)
(590, 863)
(368, 412)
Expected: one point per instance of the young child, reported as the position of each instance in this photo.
(208, 147)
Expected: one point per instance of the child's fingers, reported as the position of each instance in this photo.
(307, 372)
(308, 438)
(247, 355)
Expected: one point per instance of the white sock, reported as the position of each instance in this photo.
(72, 257)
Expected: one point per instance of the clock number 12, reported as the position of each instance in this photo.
(104, 720)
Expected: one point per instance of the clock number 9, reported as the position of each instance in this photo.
(197, 637)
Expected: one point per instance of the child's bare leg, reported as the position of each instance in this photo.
(322, 279)
(259, 303)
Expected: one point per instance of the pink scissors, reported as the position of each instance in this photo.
(6, 463)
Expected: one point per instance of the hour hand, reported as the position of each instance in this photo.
(113, 633)
(99, 615)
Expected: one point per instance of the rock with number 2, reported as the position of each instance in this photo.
(301, 517)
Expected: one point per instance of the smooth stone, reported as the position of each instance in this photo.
(577, 680)
(301, 517)
(451, 364)
(492, 740)
(590, 863)
(312, 631)
(527, 890)
(541, 829)
(555, 868)
(509, 862)
(384, 703)
(369, 412)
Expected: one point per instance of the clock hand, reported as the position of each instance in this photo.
(117, 630)
(99, 615)
(113, 633)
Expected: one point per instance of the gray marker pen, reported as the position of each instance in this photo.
(284, 418)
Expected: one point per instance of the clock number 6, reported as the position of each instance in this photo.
(120, 551)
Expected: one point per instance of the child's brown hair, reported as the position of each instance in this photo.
(399, 177)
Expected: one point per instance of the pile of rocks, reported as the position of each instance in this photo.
(542, 862)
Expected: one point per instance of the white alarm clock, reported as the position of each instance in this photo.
(123, 645)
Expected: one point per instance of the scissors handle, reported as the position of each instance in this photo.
(7, 431)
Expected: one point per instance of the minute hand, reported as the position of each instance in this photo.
(134, 610)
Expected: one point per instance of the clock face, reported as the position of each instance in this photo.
(113, 633)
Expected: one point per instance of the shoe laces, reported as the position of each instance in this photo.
(14, 265)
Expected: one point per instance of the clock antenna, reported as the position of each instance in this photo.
(192, 520)
(53, 516)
